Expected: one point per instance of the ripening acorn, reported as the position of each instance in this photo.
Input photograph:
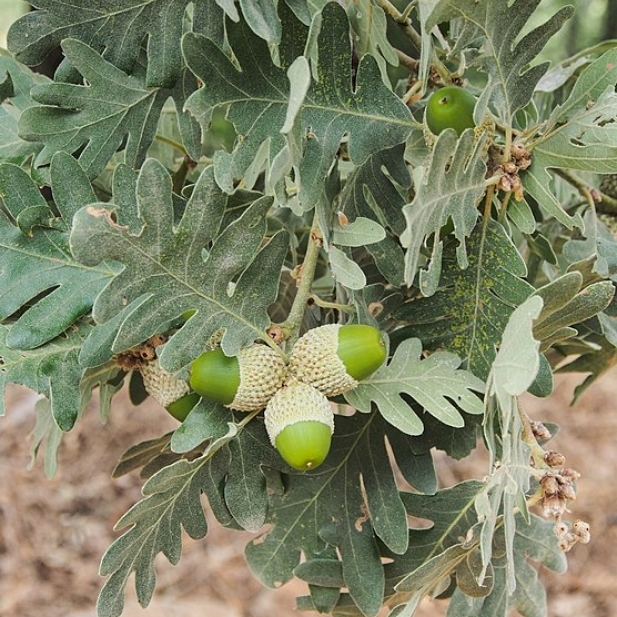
(170, 392)
(245, 382)
(450, 107)
(181, 408)
(334, 358)
(300, 423)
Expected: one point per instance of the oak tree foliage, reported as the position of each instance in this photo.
(204, 173)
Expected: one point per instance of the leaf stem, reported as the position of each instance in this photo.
(345, 308)
(179, 177)
(172, 142)
(291, 326)
(402, 20)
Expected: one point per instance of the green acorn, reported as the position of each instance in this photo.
(245, 382)
(450, 107)
(300, 423)
(172, 393)
(182, 407)
(334, 358)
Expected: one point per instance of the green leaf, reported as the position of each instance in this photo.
(16, 81)
(451, 512)
(372, 192)
(369, 26)
(582, 136)
(95, 119)
(514, 370)
(435, 383)
(52, 370)
(40, 277)
(172, 501)
(116, 29)
(346, 271)
(262, 18)
(164, 273)
(567, 303)
(471, 307)
(534, 541)
(450, 187)
(504, 54)
(358, 232)
(45, 434)
(257, 100)
(254, 96)
(517, 361)
(327, 507)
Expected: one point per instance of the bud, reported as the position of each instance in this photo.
(581, 530)
(554, 459)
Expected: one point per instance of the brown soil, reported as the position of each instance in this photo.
(54, 532)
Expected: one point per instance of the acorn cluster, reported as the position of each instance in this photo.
(326, 361)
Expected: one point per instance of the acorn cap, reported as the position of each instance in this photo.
(300, 423)
(161, 385)
(245, 382)
(262, 373)
(333, 358)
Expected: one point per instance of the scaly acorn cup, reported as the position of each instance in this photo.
(450, 107)
(245, 382)
(334, 358)
(172, 393)
(300, 423)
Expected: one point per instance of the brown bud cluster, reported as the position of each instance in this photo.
(557, 490)
(509, 180)
(134, 358)
(568, 537)
(540, 431)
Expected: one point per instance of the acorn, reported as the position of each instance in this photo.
(172, 393)
(300, 423)
(182, 407)
(245, 382)
(450, 107)
(334, 358)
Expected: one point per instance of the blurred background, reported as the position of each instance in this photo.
(53, 532)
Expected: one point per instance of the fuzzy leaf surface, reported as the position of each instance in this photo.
(171, 502)
(504, 54)
(116, 29)
(164, 273)
(16, 81)
(471, 307)
(449, 188)
(374, 190)
(98, 117)
(535, 541)
(451, 512)
(37, 260)
(52, 370)
(435, 383)
(257, 100)
(567, 303)
(583, 136)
